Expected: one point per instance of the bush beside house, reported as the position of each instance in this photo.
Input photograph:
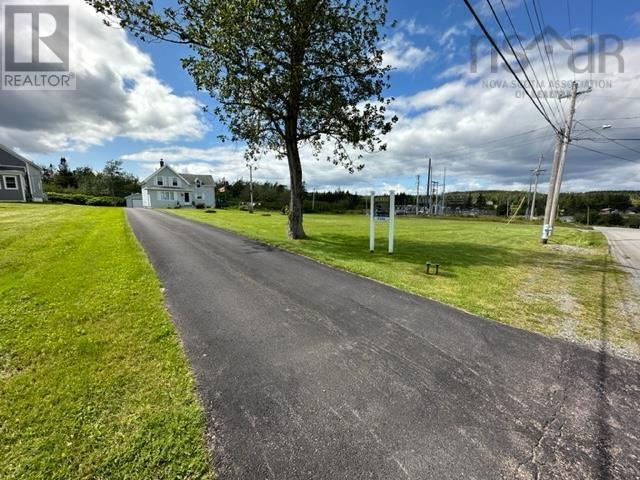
(81, 199)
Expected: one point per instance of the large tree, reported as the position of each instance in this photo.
(281, 72)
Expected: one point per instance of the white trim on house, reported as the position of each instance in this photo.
(18, 156)
(15, 180)
(169, 194)
(16, 174)
(159, 170)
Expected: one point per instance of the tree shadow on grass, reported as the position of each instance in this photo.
(453, 255)
(603, 440)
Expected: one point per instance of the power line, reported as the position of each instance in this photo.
(609, 139)
(524, 50)
(542, 56)
(608, 118)
(548, 50)
(591, 48)
(616, 96)
(495, 46)
(571, 33)
(463, 150)
(605, 154)
(506, 37)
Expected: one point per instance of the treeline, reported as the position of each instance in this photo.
(571, 204)
(112, 181)
(274, 196)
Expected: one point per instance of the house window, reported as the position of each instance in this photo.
(199, 196)
(166, 196)
(174, 181)
(160, 180)
(198, 183)
(11, 183)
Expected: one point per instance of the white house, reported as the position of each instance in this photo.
(166, 188)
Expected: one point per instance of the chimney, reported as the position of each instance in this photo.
(161, 163)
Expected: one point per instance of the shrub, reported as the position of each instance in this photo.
(80, 199)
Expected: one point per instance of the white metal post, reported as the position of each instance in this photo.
(392, 218)
(372, 227)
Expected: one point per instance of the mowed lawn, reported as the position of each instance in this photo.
(93, 381)
(570, 288)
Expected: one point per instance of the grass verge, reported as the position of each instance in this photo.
(569, 289)
(93, 381)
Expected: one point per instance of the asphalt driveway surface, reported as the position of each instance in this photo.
(307, 372)
(625, 246)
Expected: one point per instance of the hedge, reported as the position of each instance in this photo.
(81, 199)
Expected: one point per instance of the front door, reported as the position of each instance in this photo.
(186, 197)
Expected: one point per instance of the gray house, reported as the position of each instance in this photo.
(166, 188)
(20, 178)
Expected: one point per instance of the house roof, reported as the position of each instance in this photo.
(189, 178)
(162, 168)
(204, 179)
(18, 156)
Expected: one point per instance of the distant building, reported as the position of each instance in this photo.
(20, 178)
(166, 188)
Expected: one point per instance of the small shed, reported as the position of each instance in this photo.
(134, 200)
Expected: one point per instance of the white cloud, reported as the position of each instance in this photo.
(117, 94)
(401, 54)
(635, 18)
(414, 28)
(475, 130)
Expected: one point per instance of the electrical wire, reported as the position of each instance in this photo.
(557, 103)
(609, 139)
(606, 154)
(506, 37)
(495, 46)
(526, 56)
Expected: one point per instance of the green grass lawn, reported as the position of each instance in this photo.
(569, 289)
(93, 381)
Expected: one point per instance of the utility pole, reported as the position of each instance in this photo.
(444, 187)
(435, 190)
(392, 218)
(372, 227)
(313, 200)
(529, 194)
(557, 170)
(536, 173)
(251, 187)
(429, 187)
(417, 194)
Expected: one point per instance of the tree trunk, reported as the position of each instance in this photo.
(295, 230)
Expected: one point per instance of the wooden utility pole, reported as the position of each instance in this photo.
(429, 187)
(444, 187)
(536, 173)
(417, 193)
(251, 188)
(557, 169)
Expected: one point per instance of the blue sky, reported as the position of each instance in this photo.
(135, 103)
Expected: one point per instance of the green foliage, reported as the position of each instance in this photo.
(282, 72)
(80, 199)
(93, 382)
(112, 181)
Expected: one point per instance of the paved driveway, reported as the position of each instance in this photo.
(307, 372)
(625, 246)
